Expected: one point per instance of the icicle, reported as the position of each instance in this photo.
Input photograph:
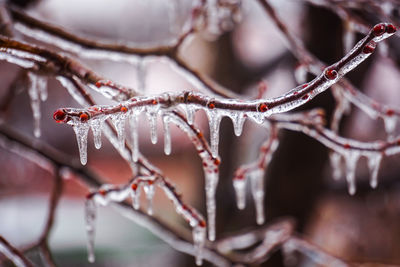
(240, 189)
(141, 75)
(199, 238)
(390, 125)
(119, 124)
(96, 125)
(42, 87)
(336, 160)
(90, 219)
(257, 190)
(135, 195)
(214, 120)
(238, 119)
(152, 116)
(149, 191)
(190, 111)
(351, 164)
(374, 161)
(167, 135)
(258, 117)
(134, 118)
(33, 92)
(81, 131)
(211, 178)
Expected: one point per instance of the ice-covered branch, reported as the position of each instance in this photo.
(15, 256)
(179, 240)
(311, 251)
(48, 63)
(348, 91)
(345, 149)
(266, 240)
(255, 172)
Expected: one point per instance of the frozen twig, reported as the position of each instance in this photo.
(15, 256)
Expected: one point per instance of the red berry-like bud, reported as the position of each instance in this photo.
(154, 102)
(379, 29)
(59, 116)
(262, 107)
(83, 117)
(217, 162)
(102, 192)
(202, 223)
(369, 48)
(124, 109)
(389, 112)
(134, 187)
(304, 85)
(239, 177)
(211, 105)
(347, 146)
(305, 97)
(98, 84)
(331, 74)
(390, 28)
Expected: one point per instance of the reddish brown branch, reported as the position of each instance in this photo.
(13, 254)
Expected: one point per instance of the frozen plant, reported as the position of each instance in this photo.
(29, 43)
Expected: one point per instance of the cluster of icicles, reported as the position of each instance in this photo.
(110, 193)
(210, 161)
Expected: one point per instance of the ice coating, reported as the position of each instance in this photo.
(90, 220)
(199, 238)
(81, 131)
(257, 190)
(96, 126)
(214, 120)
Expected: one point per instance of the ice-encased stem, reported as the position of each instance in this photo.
(373, 164)
(167, 135)
(199, 238)
(211, 179)
(90, 220)
(81, 131)
(214, 120)
(240, 189)
(257, 190)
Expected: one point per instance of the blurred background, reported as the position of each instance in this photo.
(363, 228)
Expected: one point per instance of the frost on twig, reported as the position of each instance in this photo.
(110, 193)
